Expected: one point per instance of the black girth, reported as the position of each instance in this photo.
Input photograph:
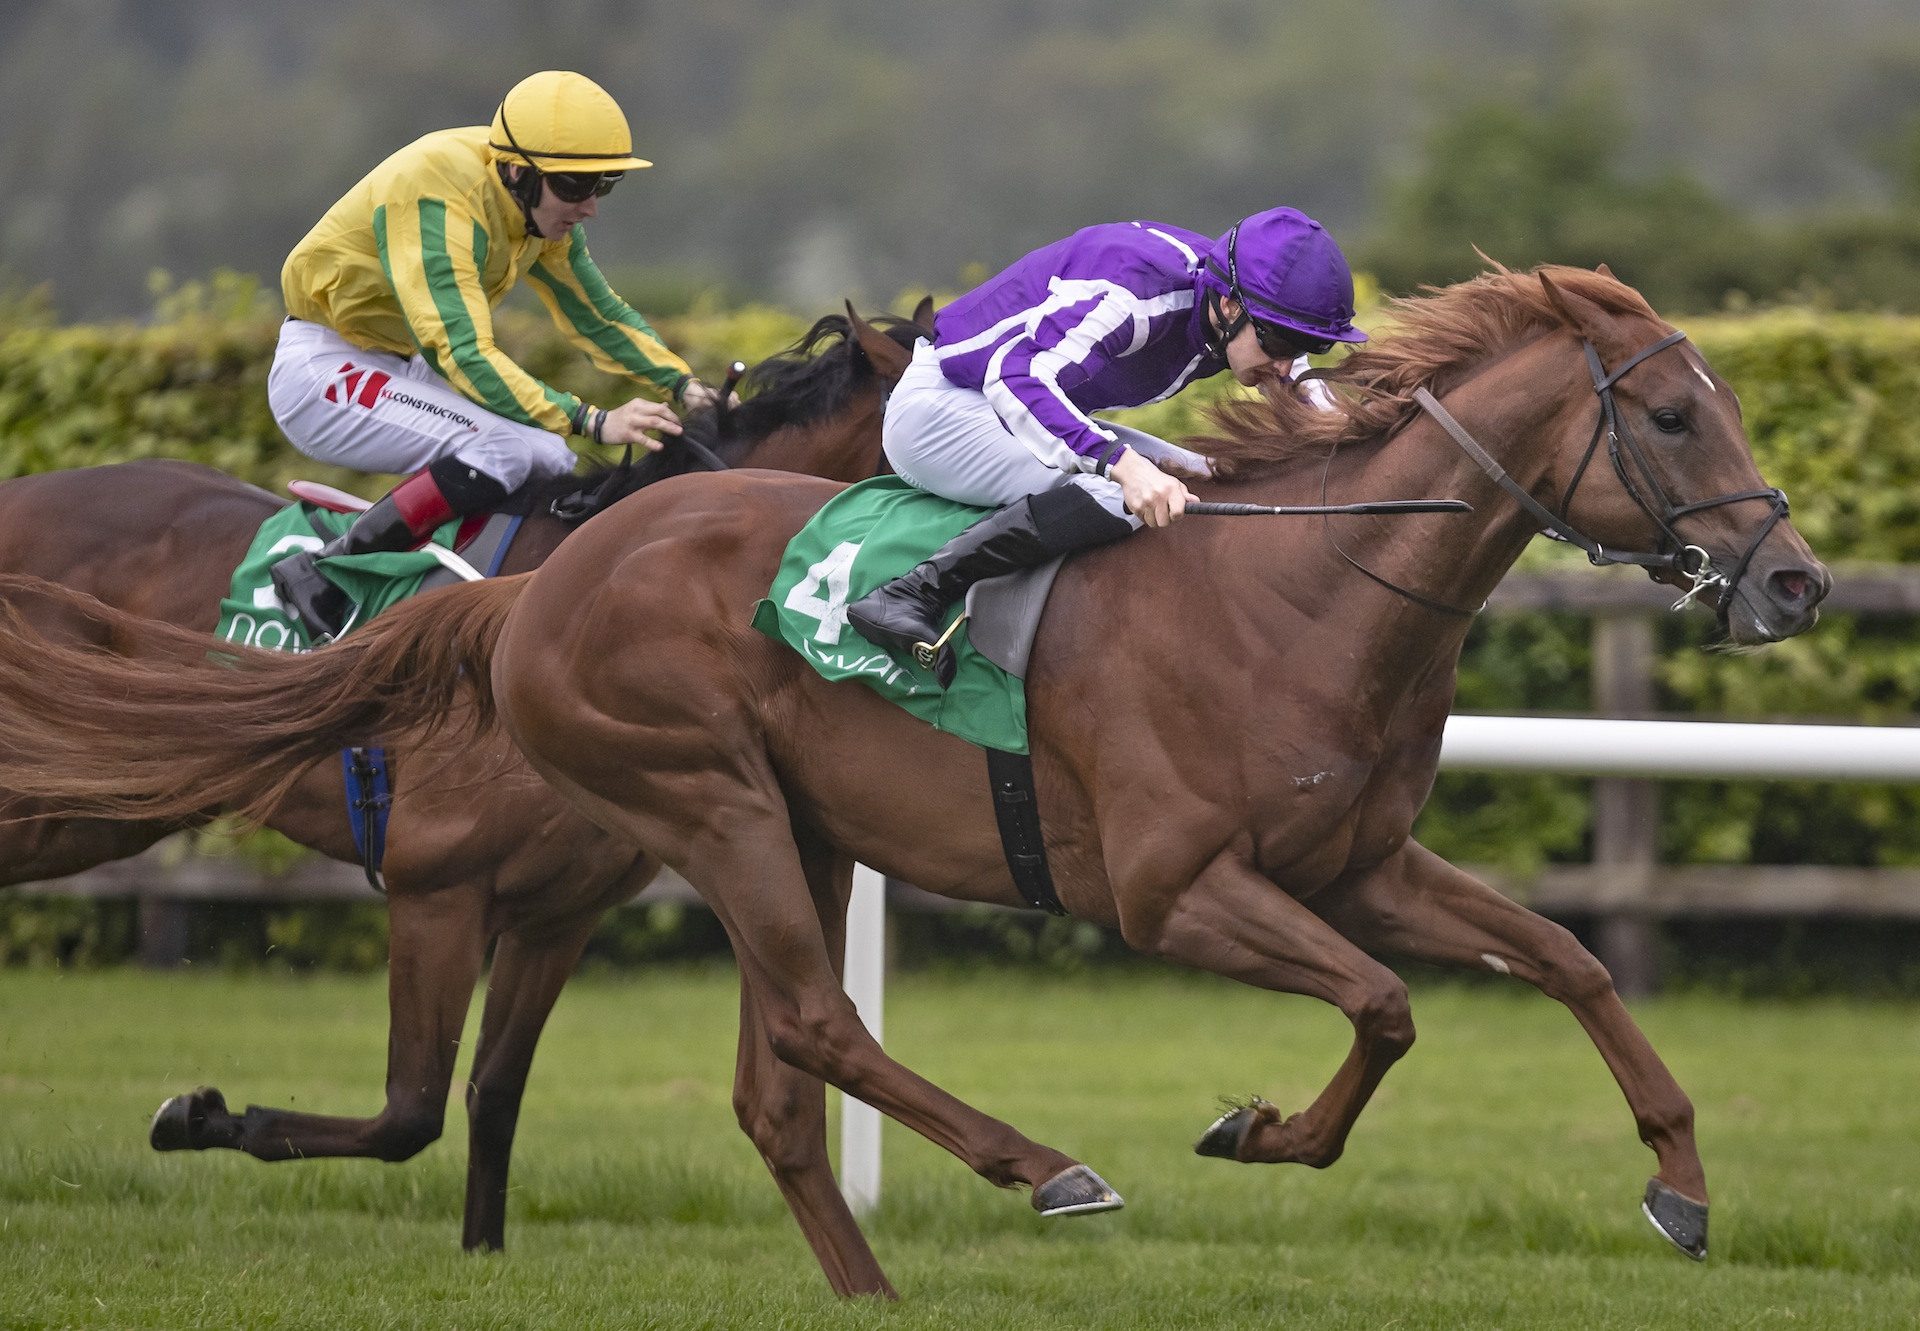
(1016, 808)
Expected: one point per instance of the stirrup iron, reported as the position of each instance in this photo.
(925, 654)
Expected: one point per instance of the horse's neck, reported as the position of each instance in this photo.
(845, 447)
(1453, 559)
(539, 536)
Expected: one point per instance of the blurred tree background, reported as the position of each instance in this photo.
(1723, 152)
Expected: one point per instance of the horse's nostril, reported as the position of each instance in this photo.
(1795, 586)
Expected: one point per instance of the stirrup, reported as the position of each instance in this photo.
(304, 592)
(926, 654)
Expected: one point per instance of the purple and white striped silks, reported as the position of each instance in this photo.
(1106, 318)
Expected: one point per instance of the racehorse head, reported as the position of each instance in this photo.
(1585, 415)
(1684, 484)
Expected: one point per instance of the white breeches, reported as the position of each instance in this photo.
(375, 411)
(948, 440)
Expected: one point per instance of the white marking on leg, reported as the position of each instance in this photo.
(1303, 782)
(1495, 964)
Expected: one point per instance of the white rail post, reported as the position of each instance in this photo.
(866, 984)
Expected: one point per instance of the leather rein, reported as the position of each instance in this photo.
(1629, 460)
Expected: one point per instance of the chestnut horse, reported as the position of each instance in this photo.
(502, 860)
(1233, 723)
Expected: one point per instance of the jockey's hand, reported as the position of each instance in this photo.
(1152, 496)
(699, 394)
(629, 422)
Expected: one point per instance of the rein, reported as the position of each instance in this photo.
(580, 505)
(1675, 554)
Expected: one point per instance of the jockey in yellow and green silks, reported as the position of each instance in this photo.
(388, 361)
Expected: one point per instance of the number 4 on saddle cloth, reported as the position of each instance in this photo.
(252, 615)
(869, 533)
(875, 531)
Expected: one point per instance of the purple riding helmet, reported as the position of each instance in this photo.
(1290, 279)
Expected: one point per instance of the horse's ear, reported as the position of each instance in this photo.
(923, 314)
(1605, 271)
(888, 358)
(1562, 305)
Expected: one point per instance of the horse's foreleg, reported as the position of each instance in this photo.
(1418, 905)
(784, 1111)
(1234, 922)
(437, 943)
(529, 970)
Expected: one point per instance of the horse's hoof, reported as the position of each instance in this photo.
(1681, 1221)
(180, 1123)
(1075, 1191)
(1222, 1140)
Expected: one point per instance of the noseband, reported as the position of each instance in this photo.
(1629, 460)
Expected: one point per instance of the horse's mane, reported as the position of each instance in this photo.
(1437, 339)
(804, 383)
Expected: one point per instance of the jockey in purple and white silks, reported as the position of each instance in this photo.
(998, 409)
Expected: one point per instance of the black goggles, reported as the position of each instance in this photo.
(1285, 344)
(1276, 341)
(579, 186)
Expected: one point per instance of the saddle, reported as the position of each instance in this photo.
(479, 545)
(870, 533)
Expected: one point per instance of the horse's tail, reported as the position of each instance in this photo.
(168, 723)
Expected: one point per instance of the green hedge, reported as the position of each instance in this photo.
(192, 383)
(1832, 403)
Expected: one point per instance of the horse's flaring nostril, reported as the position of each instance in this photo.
(1793, 586)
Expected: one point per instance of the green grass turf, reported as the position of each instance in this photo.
(1494, 1182)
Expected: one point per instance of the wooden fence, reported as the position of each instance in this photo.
(1625, 888)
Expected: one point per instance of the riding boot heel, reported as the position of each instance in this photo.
(901, 615)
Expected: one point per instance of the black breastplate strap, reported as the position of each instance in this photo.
(1016, 808)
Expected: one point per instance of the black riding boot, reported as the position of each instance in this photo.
(304, 589)
(400, 520)
(904, 615)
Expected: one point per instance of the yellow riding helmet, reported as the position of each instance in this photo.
(560, 121)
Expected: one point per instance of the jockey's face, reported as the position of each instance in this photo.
(555, 216)
(1249, 361)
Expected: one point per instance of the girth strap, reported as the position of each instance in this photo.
(369, 800)
(1016, 808)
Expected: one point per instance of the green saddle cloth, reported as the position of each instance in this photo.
(874, 531)
(252, 616)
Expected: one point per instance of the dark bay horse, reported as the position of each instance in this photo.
(481, 851)
(1233, 723)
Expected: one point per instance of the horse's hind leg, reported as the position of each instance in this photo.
(784, 1111)
(1417, 905)
(744, 862)
(529, 969)
(438, 940)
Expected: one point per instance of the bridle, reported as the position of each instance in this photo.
(1629, 459)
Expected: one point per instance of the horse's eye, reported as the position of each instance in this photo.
(1669, 420)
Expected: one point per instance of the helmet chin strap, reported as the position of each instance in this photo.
(525, 192)
(1221, 330)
